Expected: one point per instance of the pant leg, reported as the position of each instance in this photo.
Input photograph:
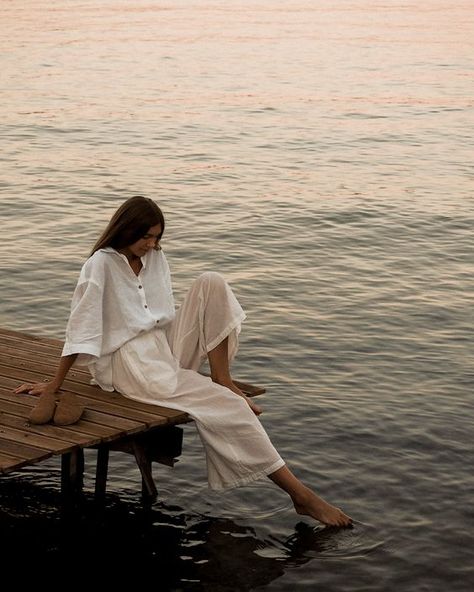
(237, 447)
(210, 313)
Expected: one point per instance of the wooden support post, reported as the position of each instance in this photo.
(101, 472)
(161, 445)
(72, 473)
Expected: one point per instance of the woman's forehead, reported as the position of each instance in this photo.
(155, 229)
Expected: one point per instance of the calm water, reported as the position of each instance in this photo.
(319, 155)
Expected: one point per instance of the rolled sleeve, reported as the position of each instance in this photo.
(84, 329)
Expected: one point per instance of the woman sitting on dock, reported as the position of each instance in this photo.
(124, 327)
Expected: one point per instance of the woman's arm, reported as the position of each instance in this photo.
(39, 388)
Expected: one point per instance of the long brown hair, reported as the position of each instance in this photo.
(130, 222)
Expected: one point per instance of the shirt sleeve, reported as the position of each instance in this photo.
(168, 284)
(84, 328)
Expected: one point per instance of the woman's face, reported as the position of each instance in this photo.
(148, 241)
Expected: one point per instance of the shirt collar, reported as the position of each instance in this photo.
(143, 259)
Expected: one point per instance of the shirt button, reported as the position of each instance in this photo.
(157, 320)
(139, 287)
(146, 305)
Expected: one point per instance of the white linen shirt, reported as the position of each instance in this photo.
(112, 305)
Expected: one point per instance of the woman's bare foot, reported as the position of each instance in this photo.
(235, 389)
(312, 505)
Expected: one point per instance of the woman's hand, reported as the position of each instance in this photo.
(53, 386)
(35, 388)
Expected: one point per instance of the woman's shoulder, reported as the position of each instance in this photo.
(97, 263)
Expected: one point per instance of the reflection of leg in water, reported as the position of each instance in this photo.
(236, 557)
(306, 502)
(231, 558)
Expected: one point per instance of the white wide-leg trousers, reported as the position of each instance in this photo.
(161, 367)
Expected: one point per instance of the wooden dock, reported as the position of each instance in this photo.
(110, 421)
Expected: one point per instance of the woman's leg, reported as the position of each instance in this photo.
(306, 502)
(207, 325)
(209, 314)
(220, 372)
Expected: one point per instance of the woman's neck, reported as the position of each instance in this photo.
(130, 256)
(134, 261)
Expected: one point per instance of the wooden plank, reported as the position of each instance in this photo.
(94, 424)
(9, 463)
(12, 376)
(22, 353)
(60, 433)
(104, 427)
(18, 335)
(35, 439)
(31, 347)
(19, 357)
(249, 389)
(121, 425)
(94, 398)
(5, 458)
(11, 403)
(22, 451)
(118, 400)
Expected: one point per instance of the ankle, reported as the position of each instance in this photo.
(303, 496)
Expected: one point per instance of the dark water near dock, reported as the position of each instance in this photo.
(319, 155)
